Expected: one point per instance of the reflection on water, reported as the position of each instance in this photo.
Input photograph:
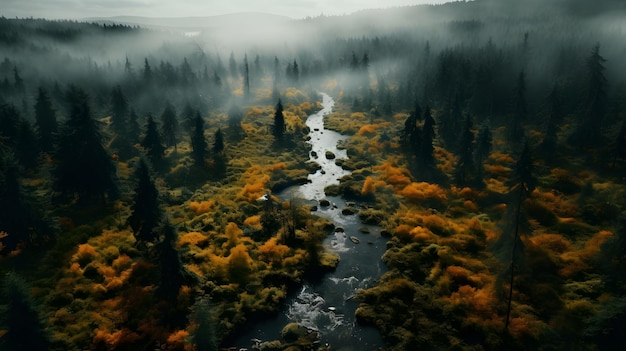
(328, 305)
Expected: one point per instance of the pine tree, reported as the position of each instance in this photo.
(25, 330)
(84, 168)
(169, 125)
(146, 212)
(26, 148)
(152, 143)
(204, 336)
(520, 109)
(172, 272)
(24, 219)
(278, 129)
(133, 127)
(246, 82)
(588, 132)
(218, 143)
(235, 116)
(483, 149)
(465, 165)
(119, 111)
(198, 142)
(548, 144)
(232, 66)
(426, 152)
(45, 121)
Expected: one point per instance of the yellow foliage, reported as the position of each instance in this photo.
(233, 233)
(178, 338)
(278, 166)
(273, 251)
(192, 238)
(254, 222)
(368, 129)
(423, 191)
(201, 207)
(85, 254)
(239, 263)
(394, 176)
(357, 115)
(368, 186)
(553, 242)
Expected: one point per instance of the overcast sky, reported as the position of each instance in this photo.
(76, 9)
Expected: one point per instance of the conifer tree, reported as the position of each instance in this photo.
(465, 165)
(119, 111)
(483, 149)
(169, 125)
(520, 109)
(25, 330)
(198, 142)
(84, 168)
(146, 212)
(45, 121)
(278, 129)
(235, 116)
(246, 81)
(588, 131)
(426, 152)
(548, 144)
(133, 127)
(23, 219)
(151, 142)
(172, 272)
(26, 148)
(204, 336)
(218, 143)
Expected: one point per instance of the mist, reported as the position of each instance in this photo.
(444, 111)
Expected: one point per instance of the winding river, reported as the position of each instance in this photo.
(327, 304)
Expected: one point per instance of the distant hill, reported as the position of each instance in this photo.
(243, 19)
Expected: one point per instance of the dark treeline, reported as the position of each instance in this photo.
(83, 104)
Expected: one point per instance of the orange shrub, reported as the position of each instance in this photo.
(201, 207)
(273, 251)
(368, 129)
(85, 254)
(192, 238)
(553, 242)
(254, 222)
(233, 233)
(423, 191)
(357, 115)
(394, 176)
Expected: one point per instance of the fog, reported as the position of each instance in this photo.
(548, 41)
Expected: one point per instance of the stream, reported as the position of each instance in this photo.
(327, 304)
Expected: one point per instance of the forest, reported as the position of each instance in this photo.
(141, 167)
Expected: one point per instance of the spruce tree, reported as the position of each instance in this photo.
(133, 127)
(483, 149)
(24, 219)
(465, 164)
(146, 212)
(25, 330)
(45, 121)
(169, 125)
(235, 116)
(119, 111)
(426, 151)
(84, 168)
(204, 337)
(246, 78)
(198, 142)
(152, 144)
(172, 272)
(588, 131)
(278, 129)
(218, 143)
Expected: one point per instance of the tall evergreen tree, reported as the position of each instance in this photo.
(25, 330)
(426, 152)
(119, 111)
(204, 336)
(232, 66)
(483, 149)
(169, 125)
(235, 116)
(146, 212)
(134, 130)
(26, 148)
(23, 219)
(84, 168)
(172, 272)
(218, 143)
(555, 116)
(246, 78)
(588, 131)
(45, 121)
(465, 164)
(198, 142)
(520, 108)
(279, 128)
(152, 144)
